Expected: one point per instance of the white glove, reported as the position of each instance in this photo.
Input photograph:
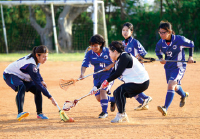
(93, 91)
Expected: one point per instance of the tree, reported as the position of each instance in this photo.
(46, 32)
(65, 21)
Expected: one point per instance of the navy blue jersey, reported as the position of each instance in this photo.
(134, 47)
(174, 51)
(98, 61)
(27, 70)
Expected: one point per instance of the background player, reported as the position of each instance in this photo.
(134, 47)
(99, 57)
(23, 75)
(172, 46)
(131, 71)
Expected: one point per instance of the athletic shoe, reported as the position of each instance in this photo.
(42, 116)
(22, 115)
(182, 103)
(112, 106)
(103, 115)
(146, 101)
(120, 117)
(139, 108)
(163, 110)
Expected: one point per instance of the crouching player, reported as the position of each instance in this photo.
(131, 71)
(23, 75)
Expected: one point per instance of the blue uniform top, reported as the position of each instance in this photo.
(173, 51)
(98, 61)
(134, 47)
(27, 70)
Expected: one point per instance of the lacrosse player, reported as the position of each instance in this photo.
(131, 72)
(172, 46)
(99, 57)
(134, 47)
(23, 75)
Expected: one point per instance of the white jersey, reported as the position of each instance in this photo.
(14, 68)
(135, 74)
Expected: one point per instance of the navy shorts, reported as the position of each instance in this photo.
(175, 74)
(14, 81)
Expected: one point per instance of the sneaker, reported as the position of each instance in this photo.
(42, 116)
(120, 117)
(112, 106)
(103, 115)
(139, 108)
(163, 110)
(146, 101)
(22, 115)
(182, 103)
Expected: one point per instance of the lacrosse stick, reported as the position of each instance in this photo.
(64, 84)
(148, 60)
(63, 116)
(70, 104)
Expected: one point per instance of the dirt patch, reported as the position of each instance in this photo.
(180, 122)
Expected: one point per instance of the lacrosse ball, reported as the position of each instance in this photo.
(71, 119)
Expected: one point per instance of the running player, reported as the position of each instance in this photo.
(23, 75)
(132, 72)
(99, 57)
(134, 47)
(172, 46)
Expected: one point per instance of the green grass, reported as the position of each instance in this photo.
(51, 57)
(70, 56)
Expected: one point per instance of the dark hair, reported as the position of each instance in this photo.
(116, 45)
(39, 50)
(129, 25)
(97, 39)
(166, 26)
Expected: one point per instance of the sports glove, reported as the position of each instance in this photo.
(104, 84)
(93, 90)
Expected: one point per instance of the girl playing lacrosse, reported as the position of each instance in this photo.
(172, 46)
(132, 72)
(134, 47)
(99, 57)
(23, 75)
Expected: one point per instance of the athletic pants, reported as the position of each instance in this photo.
(128, 90)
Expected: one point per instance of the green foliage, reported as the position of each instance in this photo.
(182, 14)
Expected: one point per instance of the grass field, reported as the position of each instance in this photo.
(71, 56)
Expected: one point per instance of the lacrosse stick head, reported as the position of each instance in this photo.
(68, 105)
(64, 84)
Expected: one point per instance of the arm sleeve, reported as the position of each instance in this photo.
(141, 49)
(191, 50)
(186, 43)
(158, 50)
(86, 60)
(122, 65)
(40, 75)
(36, 77)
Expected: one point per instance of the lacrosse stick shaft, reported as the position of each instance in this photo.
(58, 107)
(87, 95)
(90, 74)
(173, 60)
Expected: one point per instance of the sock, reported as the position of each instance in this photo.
(180, 91)
(111, 99)
(139, 99)
(104, 105)
(142, 95)
(169, 98)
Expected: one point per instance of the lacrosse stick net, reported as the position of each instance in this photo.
(64, 84)
(70, 104)
(62, 114)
